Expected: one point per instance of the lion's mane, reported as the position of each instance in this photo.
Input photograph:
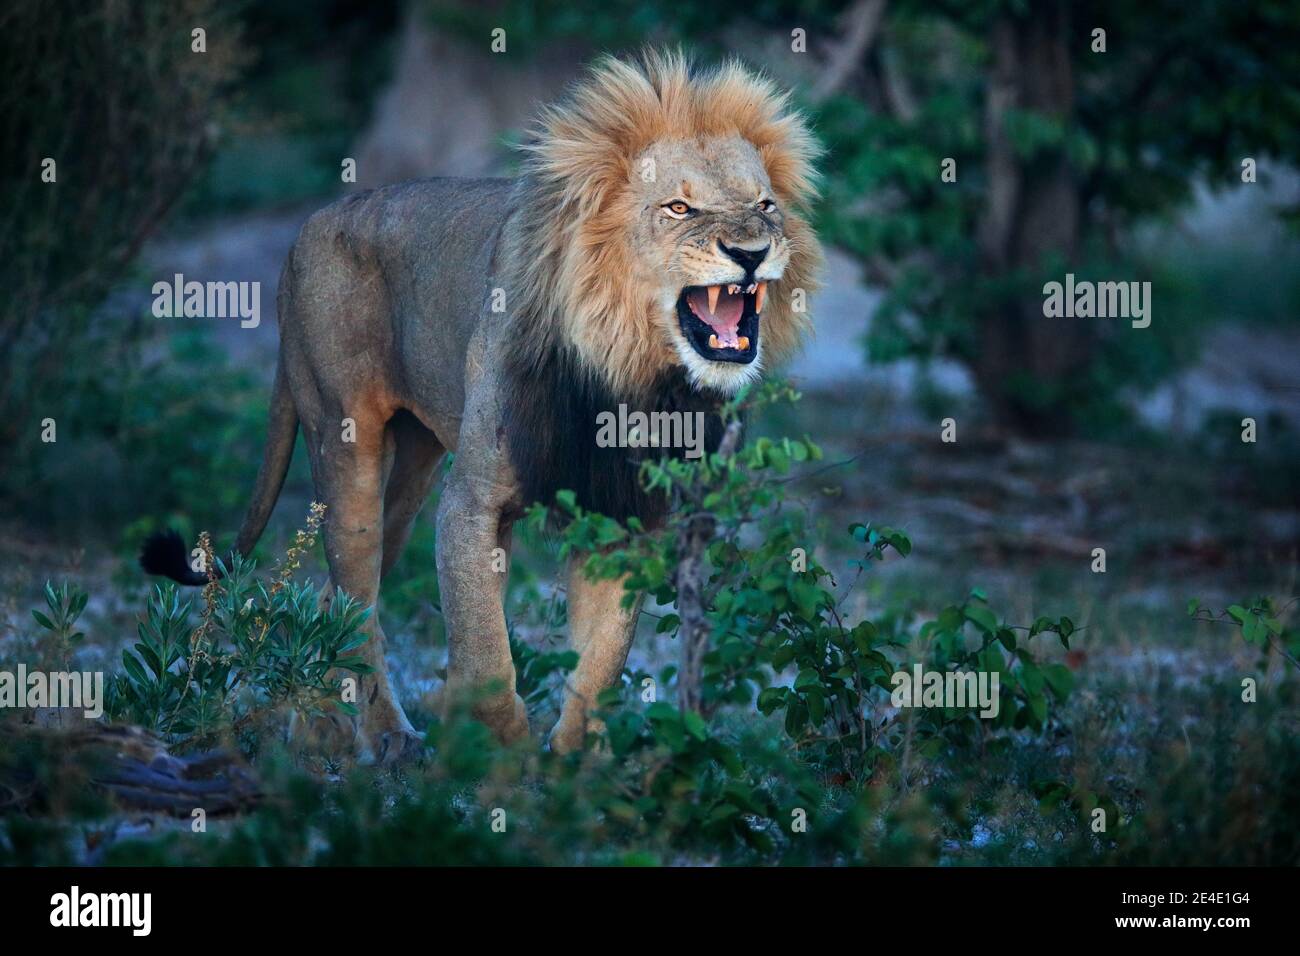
(586, 334)
(575, 276)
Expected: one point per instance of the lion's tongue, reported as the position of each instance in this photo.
(725, 319)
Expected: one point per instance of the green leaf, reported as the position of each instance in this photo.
(796, 716)
(1061, 679)
(1038, 705)
(135, 669)
(661, 711)
(816, 704)
(808, 677)
(695, 725)
(1031, 678)
(1254, 630)
(983, 618)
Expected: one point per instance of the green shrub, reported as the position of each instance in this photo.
(793, 755)
(257, 651)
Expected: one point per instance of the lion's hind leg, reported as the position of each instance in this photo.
(411, 474)
(349, 477)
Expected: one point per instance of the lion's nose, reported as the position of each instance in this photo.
(747, 259)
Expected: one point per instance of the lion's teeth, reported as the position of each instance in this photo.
(751, 288)
(758, 297)
(733, 288)
(713, 342)
(714, 292)
(742, 343)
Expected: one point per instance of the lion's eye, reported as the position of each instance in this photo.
(766, 205)
(678, 209)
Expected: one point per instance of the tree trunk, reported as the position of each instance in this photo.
(1031, 217)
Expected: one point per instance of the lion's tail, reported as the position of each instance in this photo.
(164, 553)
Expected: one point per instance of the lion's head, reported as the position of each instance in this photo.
(662, 223)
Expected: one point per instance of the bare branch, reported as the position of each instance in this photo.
(861, 23)
(694, 538)
(1003, 171)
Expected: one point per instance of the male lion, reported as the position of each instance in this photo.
(653, 253)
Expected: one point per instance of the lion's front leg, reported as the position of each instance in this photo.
(480, 672)
(601, 631)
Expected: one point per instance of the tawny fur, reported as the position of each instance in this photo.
(583, 277)
(387, 319)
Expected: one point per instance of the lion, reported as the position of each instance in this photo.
(654, 251)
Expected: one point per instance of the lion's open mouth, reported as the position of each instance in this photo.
(721, 321)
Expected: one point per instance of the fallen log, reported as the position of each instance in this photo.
(129, 765)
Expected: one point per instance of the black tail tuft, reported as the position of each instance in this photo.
(164, 553)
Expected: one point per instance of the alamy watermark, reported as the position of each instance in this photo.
(651, 430)
(75, 908)
(956, 689)
(79, 690)
(208, 300)
(1100, 300)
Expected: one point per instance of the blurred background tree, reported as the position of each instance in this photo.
(109, 110)
(151, 137)
(1065, 157)
(1064, 141)
(117, 98)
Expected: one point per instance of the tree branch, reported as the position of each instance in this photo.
(861, 23)
(693, 540)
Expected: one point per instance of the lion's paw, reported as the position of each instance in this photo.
(513, 727)
(392, 747)
(572, 731)
(505, 716)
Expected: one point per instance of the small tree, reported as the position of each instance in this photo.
(1068, 125)
(108, 110)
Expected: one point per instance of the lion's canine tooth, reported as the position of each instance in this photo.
(714, 292)
(713, 342)
(742, 343)
(758, 297)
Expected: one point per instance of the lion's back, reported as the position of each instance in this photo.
(382, 294)
(437, 229)
(393, 272)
